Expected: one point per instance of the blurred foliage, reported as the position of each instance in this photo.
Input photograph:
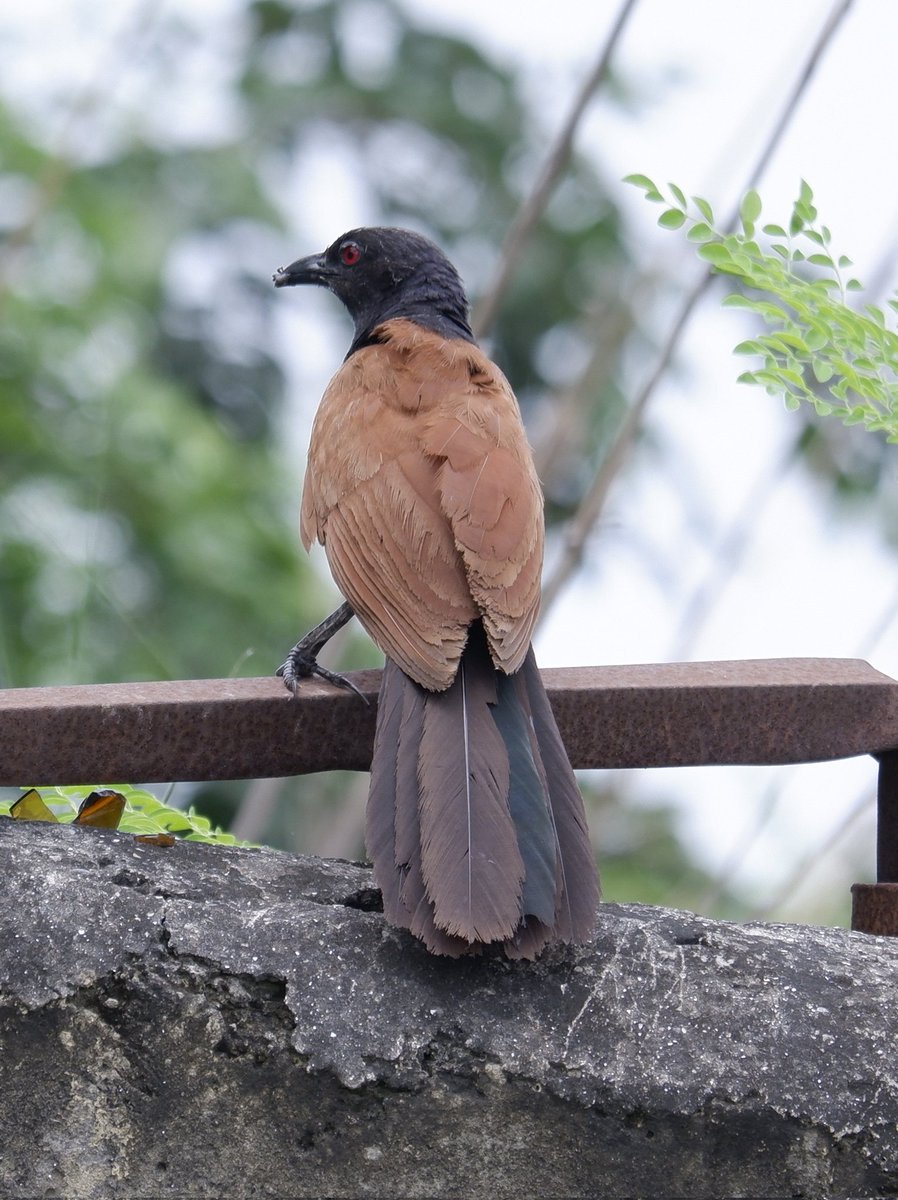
(142, 508)
(641, 857)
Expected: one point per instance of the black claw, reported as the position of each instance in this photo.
(302, 661)
(301, 666)
(340, 681)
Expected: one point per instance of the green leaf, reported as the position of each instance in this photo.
(671, 218)
(738, 300)
(793, 377)
(769, 377)
(774, 231)
(750, 208)
(876, 314)
(678, 195)
(719, 258)
(788, 338)
(700, 232)
(770, 311)
(641, 181)
(839, 389)
(823, 371)
(704, 208)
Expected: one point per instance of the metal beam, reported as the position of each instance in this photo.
(677, 714)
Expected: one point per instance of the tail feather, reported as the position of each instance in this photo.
(579, 880)
(472, 867)
(527, 802)
(407, 849)
(475, 824)
(383, 794)
(532, 937)
(392, 833)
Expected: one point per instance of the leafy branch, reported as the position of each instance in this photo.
(820, 350)
(141, 814)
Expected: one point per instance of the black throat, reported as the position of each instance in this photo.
(445, 324)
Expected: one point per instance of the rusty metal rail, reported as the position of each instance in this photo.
(765, 711)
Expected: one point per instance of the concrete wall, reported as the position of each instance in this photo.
(197, 1021)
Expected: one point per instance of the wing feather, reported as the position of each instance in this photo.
(421, 487)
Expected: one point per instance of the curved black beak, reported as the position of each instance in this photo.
(313, 269)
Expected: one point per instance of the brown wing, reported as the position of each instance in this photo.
(492, 499)
(421, 487)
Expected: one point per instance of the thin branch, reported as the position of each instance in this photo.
(554, 167)
(743, 844)
(864, 803)
(728, 554)
(568, 408)
(584, 520)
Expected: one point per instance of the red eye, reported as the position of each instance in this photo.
(350, 254)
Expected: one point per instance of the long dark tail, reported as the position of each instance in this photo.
(475, 823)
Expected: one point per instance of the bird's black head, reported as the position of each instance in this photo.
(382, 273)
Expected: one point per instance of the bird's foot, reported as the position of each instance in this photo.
(302, 661)
(300, 665)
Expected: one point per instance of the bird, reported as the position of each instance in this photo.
(420, 484)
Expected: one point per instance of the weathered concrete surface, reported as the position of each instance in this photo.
(206, 1022)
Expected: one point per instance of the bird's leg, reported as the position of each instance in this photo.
(302, 661)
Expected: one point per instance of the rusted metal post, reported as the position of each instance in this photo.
(874, 906)
(887, 819)
(663, 715)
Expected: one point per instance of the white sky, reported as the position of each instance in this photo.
(711, 77)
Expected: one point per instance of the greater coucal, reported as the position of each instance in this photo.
(421, 487)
